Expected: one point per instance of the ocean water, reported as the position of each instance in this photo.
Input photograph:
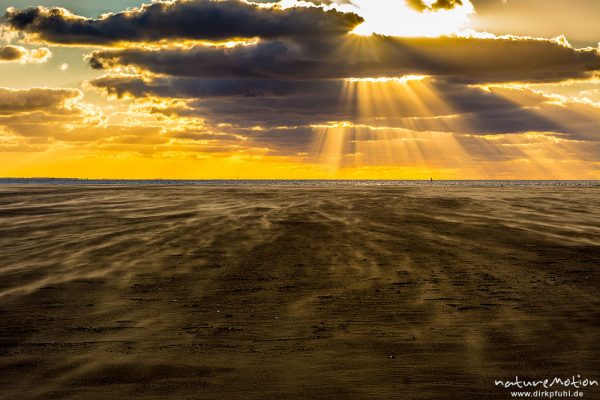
(303, 182)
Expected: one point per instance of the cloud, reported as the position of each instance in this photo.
(298, 42)
(436, 105)
(421, 5)
(10, 53)
(467, 59)
(14, 101)
(194, 19)
(123, 85)
(36, 119)
(486, 112)
(36, 116)
(269, 95)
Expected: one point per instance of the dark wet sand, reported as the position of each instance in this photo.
(295, 293)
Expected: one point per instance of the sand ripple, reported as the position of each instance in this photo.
(283, 292)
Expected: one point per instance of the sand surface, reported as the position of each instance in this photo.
(295, 293)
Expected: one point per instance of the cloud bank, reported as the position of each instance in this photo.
(297, 42)
(467, 59)
(301, 69)
(197, 19)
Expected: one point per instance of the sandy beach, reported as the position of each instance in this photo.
(163, 292)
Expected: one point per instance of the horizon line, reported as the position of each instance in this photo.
(295, 179)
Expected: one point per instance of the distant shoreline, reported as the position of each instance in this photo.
(298, 182)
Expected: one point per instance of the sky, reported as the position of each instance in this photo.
(294, 89)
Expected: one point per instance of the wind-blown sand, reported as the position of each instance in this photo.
(295, 292)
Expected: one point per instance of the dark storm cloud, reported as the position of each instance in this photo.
(271, 104)
(195, 19)
(467, 59)
(298, 43)
(190, 87)
(485, 112)
(305, 103)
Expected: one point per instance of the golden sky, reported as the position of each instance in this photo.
(349, 89)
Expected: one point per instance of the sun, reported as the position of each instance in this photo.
(397, 18)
